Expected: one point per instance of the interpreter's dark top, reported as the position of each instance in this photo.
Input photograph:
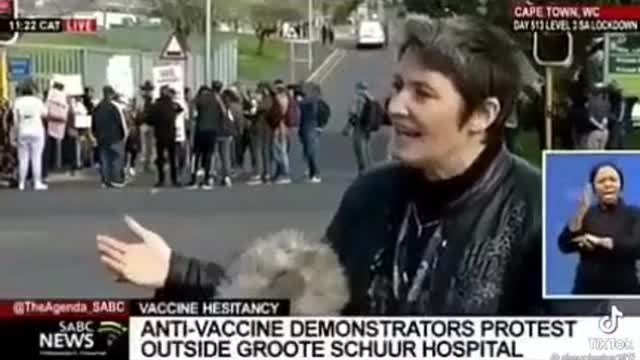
(603, 271)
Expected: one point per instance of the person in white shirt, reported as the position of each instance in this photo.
(29, 112)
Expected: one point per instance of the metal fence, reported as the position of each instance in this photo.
(92, 63)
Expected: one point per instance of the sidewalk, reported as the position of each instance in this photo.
(84, 175)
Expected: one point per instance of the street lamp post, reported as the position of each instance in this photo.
(310, 37)
(207, 45)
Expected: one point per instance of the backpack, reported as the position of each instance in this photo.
(372, 116)
(292, 118)
(324, 113)
(387, 119)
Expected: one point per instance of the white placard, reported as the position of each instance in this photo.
(73, 85)
(120, 76)
(169, 75)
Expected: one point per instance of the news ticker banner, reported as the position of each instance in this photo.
(256, 329)
(567, 18)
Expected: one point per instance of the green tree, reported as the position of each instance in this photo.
(184, 16)
(267, 14)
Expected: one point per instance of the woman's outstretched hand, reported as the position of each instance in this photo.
(145, 263)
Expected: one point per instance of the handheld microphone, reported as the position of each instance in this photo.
(287, 265)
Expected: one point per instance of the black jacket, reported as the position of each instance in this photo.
(163, 119)
(106, 124)
(594, 274)
(491, 265)
(209, 112)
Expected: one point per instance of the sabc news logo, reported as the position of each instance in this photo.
(82, 337)
(608, 324)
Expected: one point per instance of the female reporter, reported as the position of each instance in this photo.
(452, 228)
(606, 235)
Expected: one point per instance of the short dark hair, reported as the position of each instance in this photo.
(108, 92)
(600, 165)
(217, 86)
(27, 87)
(480, 59)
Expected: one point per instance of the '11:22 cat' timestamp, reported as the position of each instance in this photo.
(34, 25)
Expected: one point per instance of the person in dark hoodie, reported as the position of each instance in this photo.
(208, 113)
(311, 106)
(225, 130)
(453, 228)
(163, 120)
(109, 130)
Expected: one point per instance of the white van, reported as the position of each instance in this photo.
(371, 33)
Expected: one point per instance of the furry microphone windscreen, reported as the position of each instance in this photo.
(287, 265)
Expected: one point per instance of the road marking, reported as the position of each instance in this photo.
(343, 54)
(324, 64)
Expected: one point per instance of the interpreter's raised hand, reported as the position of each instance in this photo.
(583, 208)
(585, 200)
(145, 263)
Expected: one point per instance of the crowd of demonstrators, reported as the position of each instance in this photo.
(204, 140)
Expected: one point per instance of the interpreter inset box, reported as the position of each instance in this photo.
(591, 224)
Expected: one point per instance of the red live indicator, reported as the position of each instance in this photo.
(6, 5)
(80, 25)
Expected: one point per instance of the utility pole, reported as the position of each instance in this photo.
(207, 45)
(310, 35)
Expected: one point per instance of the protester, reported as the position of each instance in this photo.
(264, 135)
(134, 140)
(208, 110)
(616, 129)
(225, 130)
(8, 142)
(313, 113)
(71, 142)
(57, 103)
(182, 148)
(250, 140)
(389, 132)
(599, 112)
(233, 103)
(278, 122)
(89, 101)
(146, 131)
(29, 114)
(453, 228)
(358, 127)
(162, 119)
(109, 130)
(606, 235)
